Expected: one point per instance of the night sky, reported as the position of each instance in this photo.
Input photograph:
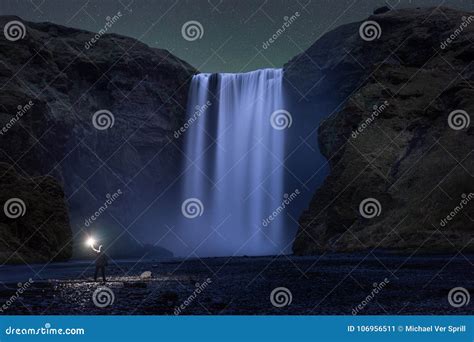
(234, 30)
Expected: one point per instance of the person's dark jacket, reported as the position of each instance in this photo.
(101, 260)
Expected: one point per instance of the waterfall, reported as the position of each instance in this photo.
(234, 144)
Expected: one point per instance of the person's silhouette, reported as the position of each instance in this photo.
(100, 263)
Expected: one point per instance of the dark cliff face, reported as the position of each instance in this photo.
(393, 139)
(34, 222)
(60, 80)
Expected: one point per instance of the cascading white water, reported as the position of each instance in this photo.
(234, 150)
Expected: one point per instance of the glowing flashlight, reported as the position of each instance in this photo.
(90, 242)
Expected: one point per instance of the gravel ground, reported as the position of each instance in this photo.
(321, 285)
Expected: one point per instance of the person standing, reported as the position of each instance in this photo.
(101, 262)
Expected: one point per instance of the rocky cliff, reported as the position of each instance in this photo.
(34, 222)
(97, 114)
(400, 146)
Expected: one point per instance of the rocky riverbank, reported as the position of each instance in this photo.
(330, 284)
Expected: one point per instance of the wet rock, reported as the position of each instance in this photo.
(146, 275)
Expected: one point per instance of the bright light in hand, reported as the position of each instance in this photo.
(90, 242)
